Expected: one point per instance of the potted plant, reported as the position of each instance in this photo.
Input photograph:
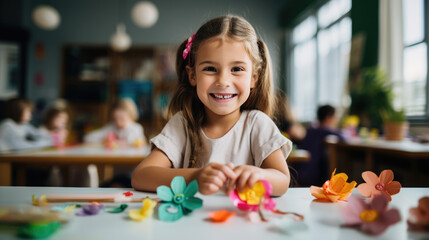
(395, 125)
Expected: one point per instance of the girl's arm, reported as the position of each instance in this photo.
(156, 170)
(274, 169)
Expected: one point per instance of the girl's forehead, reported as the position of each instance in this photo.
(224, 46)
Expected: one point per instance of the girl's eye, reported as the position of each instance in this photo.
(210, 69)
(237, 69)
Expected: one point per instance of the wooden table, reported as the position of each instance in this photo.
(405, 149)
(104, 159)
(323, 219)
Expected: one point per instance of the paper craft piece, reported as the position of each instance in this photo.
(251, 198)
(419, 216)
(128, 194)
(289, 225)
(38, 229)
(64, 208)
(145, 212)
(29, 214)
(373, 218)
(90, 209)
(221, 215)
(335, 189)
(179, 200)
(42, 201)
(116, 209)
(379, 185)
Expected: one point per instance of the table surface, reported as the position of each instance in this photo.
(405, 145)
(323, 219)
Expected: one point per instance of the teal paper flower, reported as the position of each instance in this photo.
(179, 200)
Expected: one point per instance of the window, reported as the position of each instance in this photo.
(415, 59)
(319, 58)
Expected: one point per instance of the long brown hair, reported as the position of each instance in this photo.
(185, 98)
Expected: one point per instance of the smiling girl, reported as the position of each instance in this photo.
(221, 133)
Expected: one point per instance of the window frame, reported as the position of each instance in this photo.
(290, 46)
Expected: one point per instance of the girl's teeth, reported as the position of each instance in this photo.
(223, 96)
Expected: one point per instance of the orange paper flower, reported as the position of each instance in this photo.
(221, 215)
(379, 185)
(337, 188)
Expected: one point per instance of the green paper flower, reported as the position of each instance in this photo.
(179, 200)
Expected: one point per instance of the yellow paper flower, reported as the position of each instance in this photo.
(42, 201)
(253, 195)
(145, 212)
(337, 188)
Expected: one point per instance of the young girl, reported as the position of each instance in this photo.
(221, 133)
(123, 127)
(55, 124)
(16, 133)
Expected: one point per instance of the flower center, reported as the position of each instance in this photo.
(379, 186)
(179, 198)
(369, 215)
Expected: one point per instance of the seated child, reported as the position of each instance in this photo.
(123, 127)
(55, 124)
(16, 133)
(221, 134)
(315, 172)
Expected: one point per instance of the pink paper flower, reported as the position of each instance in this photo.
(379, 185)
(249, 199)
(419, 216)
(372, 218)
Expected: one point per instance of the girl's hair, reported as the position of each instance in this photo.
(16, 107)
(50, 115)
(185, 98)
(127, 105)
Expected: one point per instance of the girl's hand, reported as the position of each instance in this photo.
(246, 175)
(213, 177)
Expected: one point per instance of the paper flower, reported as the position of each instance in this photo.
(221, 215)
(337, 188)
(145, 212)
(42, 201)
(66, 208)
(419, 216)
(373, 218)
(250, 198)
(179, 200)
(90, 209)
(379, 185)
(128, 194)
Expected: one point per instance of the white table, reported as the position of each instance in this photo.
(323, 219)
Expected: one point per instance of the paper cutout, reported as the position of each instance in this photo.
(38, 229)
(418, 219)
(42, 201)
(289, 225)
(221, 215)
(179, 200)
(335, 189)
(90, 209)
(64, 208)
(145, 212)
(128, 194)
(372, 218)
(251, 198)
(379, 185)
(116, 209)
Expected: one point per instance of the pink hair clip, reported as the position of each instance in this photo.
(188, 47)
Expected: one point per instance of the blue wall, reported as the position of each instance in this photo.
(94, 21)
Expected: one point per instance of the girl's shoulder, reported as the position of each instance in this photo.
(7, 123)
(257, 117)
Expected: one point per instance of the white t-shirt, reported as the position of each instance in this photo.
(252, 139)
(130, 134)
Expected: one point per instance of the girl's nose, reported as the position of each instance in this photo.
(223, 80)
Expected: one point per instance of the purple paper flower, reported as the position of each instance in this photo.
(90, 209)
(373, 217)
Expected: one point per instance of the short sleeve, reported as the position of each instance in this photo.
(266, 138)
(172, 140)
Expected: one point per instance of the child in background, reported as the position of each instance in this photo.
(315, 172)
(16, 133)
(55, 124)
(221, 133)
(123, 128)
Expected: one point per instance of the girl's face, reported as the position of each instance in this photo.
(60, 121)
(121, 118)
(222, 75)
(26, 115)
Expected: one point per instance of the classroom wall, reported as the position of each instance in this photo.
(94, 21)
